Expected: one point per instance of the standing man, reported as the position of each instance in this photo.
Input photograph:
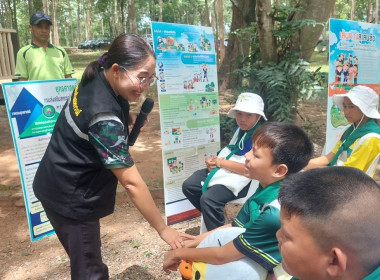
(41, 60)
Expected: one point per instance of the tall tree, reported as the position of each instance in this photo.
(132, 16)
(369, 11)
(88, 19)
(122, 12)
(306, 40)
(352, 10)
(265, 23)
(79, 37)
(160, 10)
(45, 6)
(71, 25)
(243, 15)
(55, 33)
(206, 15)
(219, 4)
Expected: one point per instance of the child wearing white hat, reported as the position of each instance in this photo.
(210, 188)
(359, 146)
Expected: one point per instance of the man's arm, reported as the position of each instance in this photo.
(68, 76)
(210, 255)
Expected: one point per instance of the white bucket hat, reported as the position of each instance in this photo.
(250, 103)
(364, 97)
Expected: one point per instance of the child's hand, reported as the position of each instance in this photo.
(171, 263)
(211, 163)
(174, 238)
(192, 243)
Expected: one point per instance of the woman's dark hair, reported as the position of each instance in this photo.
(128, 50)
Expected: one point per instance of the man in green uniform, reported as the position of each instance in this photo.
(41, 60)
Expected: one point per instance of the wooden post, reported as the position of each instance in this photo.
(7, 54)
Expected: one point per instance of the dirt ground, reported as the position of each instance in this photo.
(131, 248)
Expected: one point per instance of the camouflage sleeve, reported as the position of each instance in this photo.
(108, 138)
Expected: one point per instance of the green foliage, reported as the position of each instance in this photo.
(283, 82)
(135, 244)
(147, 253)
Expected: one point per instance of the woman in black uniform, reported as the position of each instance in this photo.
(88, 154)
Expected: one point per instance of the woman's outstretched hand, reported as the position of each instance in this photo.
(174, 238)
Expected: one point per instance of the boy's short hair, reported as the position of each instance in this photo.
(290, 145)
(339, 206)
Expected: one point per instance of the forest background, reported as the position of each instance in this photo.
(263, 46)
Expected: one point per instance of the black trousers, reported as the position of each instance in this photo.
(81, 240)
(213, 201)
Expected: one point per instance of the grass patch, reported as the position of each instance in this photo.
(80, 60)
(319, 59)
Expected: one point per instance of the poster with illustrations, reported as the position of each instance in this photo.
(189, 107)
(354, 59)
(33, 108)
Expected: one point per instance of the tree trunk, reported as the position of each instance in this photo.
(221, 31)
(71, 25)
(116, 18)
(352, 10)
(55, 22)
(16, 42)
(45, 6)
(318, 10)
(88, 19)
(132, 16)
(206, 15)
(123, 21)
(369, 12)
(243, 14)
(79, 37)
(160, 10)
(265, 23)
(31, 7)
(8, 23)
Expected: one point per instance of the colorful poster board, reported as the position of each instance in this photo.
(33, 108)
(354, 59)
(189, 107)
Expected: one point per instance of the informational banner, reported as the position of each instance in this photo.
(33, 108)
(354, 59)
(189, 108)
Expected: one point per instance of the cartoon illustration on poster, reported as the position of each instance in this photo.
(189, 108)
(353, 60)
(33, 108)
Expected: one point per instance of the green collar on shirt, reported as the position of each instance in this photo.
(263, 196)
(374, 275)
(351, 135)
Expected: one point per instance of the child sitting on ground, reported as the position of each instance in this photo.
(330, 225)
(248, 248)
(209, 189)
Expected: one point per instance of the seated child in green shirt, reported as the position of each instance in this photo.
(248, 248)
(330, 225)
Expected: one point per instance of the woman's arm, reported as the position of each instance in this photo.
(210, 255)
(139, 193)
